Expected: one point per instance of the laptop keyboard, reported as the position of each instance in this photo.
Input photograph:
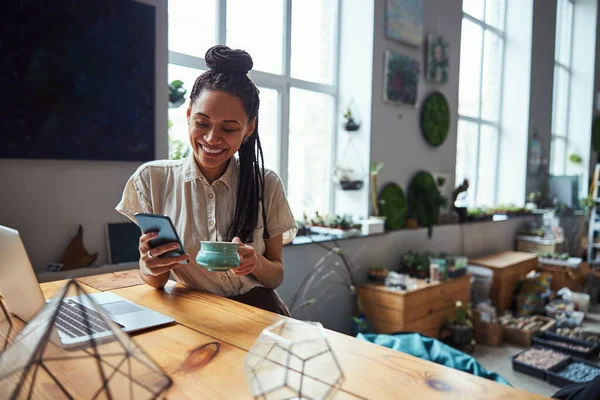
(76, 320)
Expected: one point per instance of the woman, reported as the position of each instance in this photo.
(216, 196)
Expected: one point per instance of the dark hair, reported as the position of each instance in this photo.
(228, 73)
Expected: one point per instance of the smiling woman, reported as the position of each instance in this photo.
(215, 195)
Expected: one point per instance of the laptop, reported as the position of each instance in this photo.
(77, 321)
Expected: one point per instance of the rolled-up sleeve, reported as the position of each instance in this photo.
(135, 197)
(280, 220)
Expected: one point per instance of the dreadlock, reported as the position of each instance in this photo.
(229, 73)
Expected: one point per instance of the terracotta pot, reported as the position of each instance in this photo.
(411, 223)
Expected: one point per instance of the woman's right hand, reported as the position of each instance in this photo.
(150, 261)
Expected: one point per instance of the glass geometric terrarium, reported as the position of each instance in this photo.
(107, 364)
(293, 360)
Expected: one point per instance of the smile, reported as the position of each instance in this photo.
(208, 150)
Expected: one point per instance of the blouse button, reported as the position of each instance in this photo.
(211, 223)
(223, 278)
(210, 196)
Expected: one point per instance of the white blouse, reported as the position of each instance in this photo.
(201, 211)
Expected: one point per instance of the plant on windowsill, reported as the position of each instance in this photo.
(425, 200)
(341, 226)
(176, 94)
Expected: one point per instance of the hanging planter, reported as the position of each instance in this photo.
(351, 120)
(345, 179)
(435, 119)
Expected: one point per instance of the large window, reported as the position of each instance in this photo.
(294, 48)
(562, 88)
(480, 98)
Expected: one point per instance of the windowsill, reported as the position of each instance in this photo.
(319, 238)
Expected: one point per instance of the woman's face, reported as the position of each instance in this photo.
(217, 126)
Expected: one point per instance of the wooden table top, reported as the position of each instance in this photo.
(504, 259)
(371, 371)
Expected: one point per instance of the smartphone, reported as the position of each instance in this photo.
(166, 232)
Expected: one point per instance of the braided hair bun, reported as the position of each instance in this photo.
(221, 58)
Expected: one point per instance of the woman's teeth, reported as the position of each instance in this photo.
(212, 151)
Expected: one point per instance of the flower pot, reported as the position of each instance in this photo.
(350, 125)
(351, 185)
(460, 335)
(411, 223)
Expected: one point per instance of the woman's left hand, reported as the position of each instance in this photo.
(248, 258)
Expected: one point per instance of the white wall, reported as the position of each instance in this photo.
(47, 200)
(395, 140)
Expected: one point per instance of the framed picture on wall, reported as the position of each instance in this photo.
(404, 21)
(401, 78)
(437, 59)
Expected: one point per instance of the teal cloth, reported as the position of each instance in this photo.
(432, 350)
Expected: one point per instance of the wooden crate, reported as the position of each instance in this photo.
(508, 268)
(423, 310)
(573, 278)
(523, 338)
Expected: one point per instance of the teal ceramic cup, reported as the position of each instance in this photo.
(218, 256)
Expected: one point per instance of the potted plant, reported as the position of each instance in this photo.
(425, 200)
(350, 123)
(176, 94)
(344, 179)
(374, 172)
(460, 325)
(377, 274)
(411, 222)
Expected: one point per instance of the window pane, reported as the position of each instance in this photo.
(257, 27)
(560, 101)
(470, 69)
(309, 160)
(491, 77)
(488, 152)
(192, 26)
(494, 13)
(313, 40)
(564, 29)
(557, 165)
(179, 128)
(466, 157)
(269, 126)
(474, 8)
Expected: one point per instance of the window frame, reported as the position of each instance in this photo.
(557, 65)
(479, 121)
(282, 83)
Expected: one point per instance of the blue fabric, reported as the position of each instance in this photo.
(432, 350)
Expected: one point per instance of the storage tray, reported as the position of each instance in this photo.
(529, 369)
(553, 378)
(543, 340)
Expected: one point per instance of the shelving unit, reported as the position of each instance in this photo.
(593, 254)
